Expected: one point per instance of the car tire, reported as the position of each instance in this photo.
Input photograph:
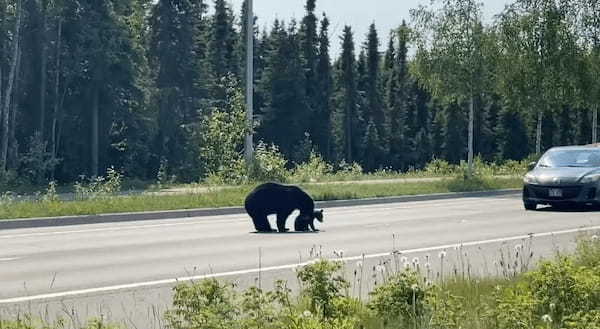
(530, 205)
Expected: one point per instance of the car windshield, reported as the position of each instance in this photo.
(571, 158)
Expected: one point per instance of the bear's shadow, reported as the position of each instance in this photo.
(289, 232)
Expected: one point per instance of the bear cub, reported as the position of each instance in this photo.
(273, 198)
(302, 224)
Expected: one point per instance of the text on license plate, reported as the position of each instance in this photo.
(555, 193)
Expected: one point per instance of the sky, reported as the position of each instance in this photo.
(359, 14)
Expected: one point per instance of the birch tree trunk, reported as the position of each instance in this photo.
(595, 125)
(538, 134)
(9, 88)
(95, 139)
(55, 117)
(471, 132)
(43, 70)
(11, 161)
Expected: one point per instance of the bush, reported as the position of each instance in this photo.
(312, 170)
(99, 187)
(401, 298)
(207, 304)
(562, 289)
(322, 286)
(269, 164)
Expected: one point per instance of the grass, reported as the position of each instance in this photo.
(231, 197)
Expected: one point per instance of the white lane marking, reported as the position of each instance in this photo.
(114, 288)
(236, 218)
(8, 259)
(108, 229)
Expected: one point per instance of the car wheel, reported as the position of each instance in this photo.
(530, 205)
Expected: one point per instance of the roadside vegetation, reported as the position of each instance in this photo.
(228, 188)
(402, 294)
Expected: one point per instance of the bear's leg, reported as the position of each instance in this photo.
(312, 226)
(281, 218)
(261, 223)
(299, 225)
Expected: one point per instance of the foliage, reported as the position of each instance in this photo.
(269, 164)
(37, 163)
(402, 298)
(208, 304)
(222, 138)
(99, 187)
(322, 286)
(312, 170)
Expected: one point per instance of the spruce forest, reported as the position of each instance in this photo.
(148, 86)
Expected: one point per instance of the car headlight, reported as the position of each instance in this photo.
(530, 179)
(591, 178)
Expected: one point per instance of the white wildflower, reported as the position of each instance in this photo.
(594, 238)
(359, 264)
(415, 261)
(442, 254)
(547, 318)
(307, 314)
(518, 247)
(414, 287)
(404, 259)
(380, 268)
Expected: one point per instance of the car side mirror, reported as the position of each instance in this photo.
(531, 165)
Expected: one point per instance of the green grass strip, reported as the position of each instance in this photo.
(231, 197)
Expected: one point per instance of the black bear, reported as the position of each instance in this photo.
(303, 223)
(272, 198)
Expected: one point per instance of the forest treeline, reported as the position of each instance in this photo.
(90, 84)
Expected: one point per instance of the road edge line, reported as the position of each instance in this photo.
(9, 224)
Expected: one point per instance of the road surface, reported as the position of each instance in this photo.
(126, 270)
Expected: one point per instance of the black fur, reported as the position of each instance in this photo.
(273, 198)
(303, 223)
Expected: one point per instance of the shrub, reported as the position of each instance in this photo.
(269, 164)
(588, 252)
(207, 304)
(37, 163)
(583, 320)
(312, 170)
(322, 286)
(513, 309)
(100, 186)
(561, 288)
(401, 298)
(439, 167)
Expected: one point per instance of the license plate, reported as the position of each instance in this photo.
(555, 193)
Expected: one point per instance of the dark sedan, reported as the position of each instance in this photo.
(564, 176)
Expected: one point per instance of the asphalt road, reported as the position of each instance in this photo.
(101, 267)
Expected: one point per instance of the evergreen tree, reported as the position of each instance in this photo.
(222, 46)
(512, 135)
(177, 53)
(398, 103)
(454, 133)
(285, 116)
(347, 101)
(309, 45)
(373, 106)
(321, 128)
(104, 89)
